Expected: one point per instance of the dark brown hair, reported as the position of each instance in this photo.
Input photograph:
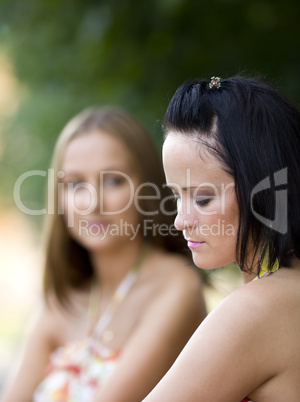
(254, 131)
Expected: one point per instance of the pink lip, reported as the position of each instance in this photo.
(194, 244)
(100, 224)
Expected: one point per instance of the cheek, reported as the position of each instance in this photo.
(118, 200)
(81, 200)
(221, 217)
(231, 213)
(121, 206)
(211, 213)
(229, 219)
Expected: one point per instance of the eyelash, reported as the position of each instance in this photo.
(74, 183)
(114, 181)
(200, 202)
(203, 202)
(110, 181)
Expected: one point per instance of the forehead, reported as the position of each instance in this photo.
(188, 163)
(96, 148)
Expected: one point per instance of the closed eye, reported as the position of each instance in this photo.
(203, 201)
(114, 181)
(75, 183)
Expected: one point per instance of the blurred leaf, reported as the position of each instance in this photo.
(70, 55)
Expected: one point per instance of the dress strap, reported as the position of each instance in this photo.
(119, 295)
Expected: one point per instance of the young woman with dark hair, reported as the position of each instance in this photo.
(231, 157)
(119, 305)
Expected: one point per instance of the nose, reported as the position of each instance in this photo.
(83, 197)
(185, 216)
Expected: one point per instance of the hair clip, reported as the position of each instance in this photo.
(215, 82)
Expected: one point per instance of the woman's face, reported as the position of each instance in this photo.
(206, 201)
(99, 179)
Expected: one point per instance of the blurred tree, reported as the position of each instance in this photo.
(68, 55)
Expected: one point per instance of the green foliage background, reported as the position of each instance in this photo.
(134, 53)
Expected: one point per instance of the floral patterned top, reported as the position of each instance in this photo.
(77, 369)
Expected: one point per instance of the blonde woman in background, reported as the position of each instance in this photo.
(119, 303)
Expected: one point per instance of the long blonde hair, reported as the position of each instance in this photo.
(67, 263)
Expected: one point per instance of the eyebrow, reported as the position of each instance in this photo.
(189, 188)
(113, 169)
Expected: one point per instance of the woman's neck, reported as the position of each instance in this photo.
(111, 266)
(248, 276)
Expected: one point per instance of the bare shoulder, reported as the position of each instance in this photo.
(54, 315)
(174, 264)
(227, 344)
(40, 341)
(172, 283)
(175, 271)
(245, 305)
(270, 294)
(49, 318)
(265, 306)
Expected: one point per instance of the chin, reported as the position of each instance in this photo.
(94, 243)
(207, 265)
